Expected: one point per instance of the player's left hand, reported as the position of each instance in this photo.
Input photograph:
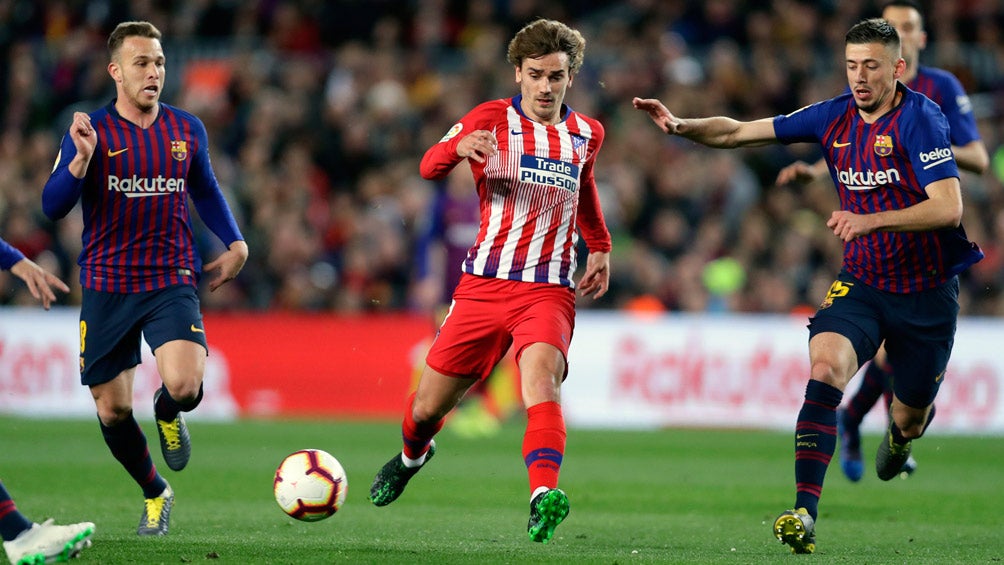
(848, 225)
(40, 282)
(596, 279)
(229, 263)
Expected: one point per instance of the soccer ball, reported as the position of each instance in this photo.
(310, 485)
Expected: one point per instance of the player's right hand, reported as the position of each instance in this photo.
(661, 115)
(478, 145)
(799, 171)
(83, 135)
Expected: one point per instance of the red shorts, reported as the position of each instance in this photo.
(488, 316)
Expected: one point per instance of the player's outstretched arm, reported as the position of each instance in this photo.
(229, 264)
(40, 282)
(720, 131)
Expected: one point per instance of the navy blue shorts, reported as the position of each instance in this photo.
(111, 324)
(918, 329)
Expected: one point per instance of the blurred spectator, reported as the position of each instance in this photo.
(319, 112)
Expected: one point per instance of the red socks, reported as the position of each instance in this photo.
(544, 444)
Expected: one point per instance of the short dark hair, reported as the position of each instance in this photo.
(904, 4)
(543, 37)
(873, 30)
(130, 29)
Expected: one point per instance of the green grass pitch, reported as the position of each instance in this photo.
(668, 496)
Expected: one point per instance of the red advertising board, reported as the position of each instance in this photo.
(308, 365)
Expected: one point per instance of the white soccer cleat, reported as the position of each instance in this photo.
(49, 543)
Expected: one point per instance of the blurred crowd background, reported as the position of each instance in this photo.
(318, 113)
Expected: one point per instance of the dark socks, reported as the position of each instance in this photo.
(167, 408)
(815, 442)
(128, 444)
(874, 383)
(12, 522)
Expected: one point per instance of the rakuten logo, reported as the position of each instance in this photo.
(867, 180)
(935, 157)
(135, 186)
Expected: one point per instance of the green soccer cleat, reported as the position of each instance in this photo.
(891, 457)
(547, 510)
(156, 518)
(389, 483)
(175, 442)
(797, 529)
(49, 543)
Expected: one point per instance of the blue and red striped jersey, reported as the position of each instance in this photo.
(137, 233)
(947, 92)
(886, 165)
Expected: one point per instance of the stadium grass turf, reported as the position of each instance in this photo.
(669, 496)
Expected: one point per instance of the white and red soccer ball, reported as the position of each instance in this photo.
(310, 485)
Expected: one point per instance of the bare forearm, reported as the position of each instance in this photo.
(923, 216)
(972, 157)
(718, 131)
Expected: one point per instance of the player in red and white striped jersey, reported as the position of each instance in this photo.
(532, 159)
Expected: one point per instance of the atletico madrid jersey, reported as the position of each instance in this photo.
(886, 165)
(534, 193)
(137, 233)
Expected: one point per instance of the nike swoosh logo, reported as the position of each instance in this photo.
(119, 152)
(800, 436)
(514, 132)
(197, 330)
(837, 144)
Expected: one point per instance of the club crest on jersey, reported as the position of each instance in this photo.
(179, 149)
(883, 145)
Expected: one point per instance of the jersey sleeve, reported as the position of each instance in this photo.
(958, 110)
(802, 125)
(62, 190)
(930, 151)
(9, 255)
(589, 217)
(440, 159)
(205, 192)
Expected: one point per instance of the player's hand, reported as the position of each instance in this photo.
(83, 135)
(478, 145)
(848, 225)
(661, 115)
(229, 263)
(799, 171)
(40, 282)
(596, 279)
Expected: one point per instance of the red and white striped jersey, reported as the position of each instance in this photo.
(534, 192)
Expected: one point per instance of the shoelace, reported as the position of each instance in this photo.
(895, 448)
(154, 506)
(171, 435)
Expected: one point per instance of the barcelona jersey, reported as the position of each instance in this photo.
(947, 92)
(137, 233)
(882, 166)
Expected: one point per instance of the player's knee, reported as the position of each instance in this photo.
(113, 414)
(184, 392)
(428, 413)
(827, 372)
